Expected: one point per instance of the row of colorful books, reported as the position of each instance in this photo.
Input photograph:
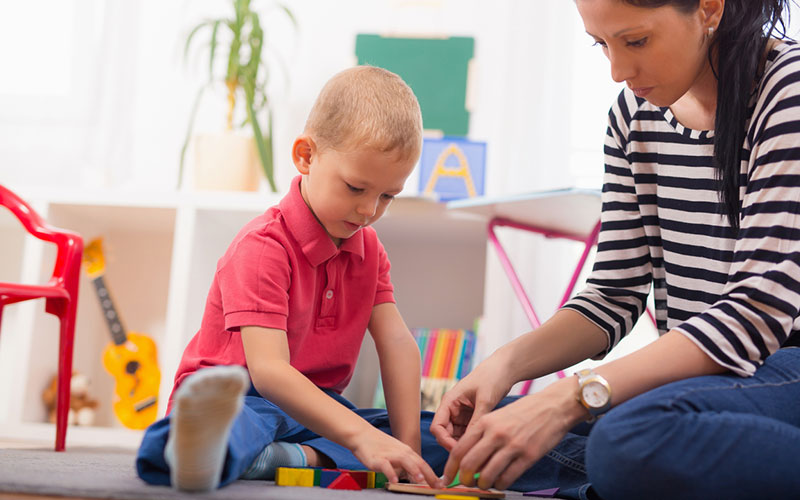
(446, 356)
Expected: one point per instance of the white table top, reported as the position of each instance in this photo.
(570, 211)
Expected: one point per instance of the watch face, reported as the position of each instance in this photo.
(595, 394)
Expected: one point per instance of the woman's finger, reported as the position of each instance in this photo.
(495, 465)
(464, 445)
(442, 428)
(515, 469)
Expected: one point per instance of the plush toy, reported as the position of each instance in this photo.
(81, 405)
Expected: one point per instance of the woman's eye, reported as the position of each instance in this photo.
(387, 197)
(599, 43)
(637, 43)
(354, 189)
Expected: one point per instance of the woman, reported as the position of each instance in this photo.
(701, 198)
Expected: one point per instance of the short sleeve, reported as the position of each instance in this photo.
(384, 292)
(254, 279)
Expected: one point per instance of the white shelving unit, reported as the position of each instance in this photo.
(161, 252)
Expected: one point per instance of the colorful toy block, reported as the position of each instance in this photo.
(456, 497)
(344, 482)
(317, 476)
(293, 476)
(327, 476)
(362, 478)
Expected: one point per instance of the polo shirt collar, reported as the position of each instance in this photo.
(312, 238)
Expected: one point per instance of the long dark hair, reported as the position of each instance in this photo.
(739, 43)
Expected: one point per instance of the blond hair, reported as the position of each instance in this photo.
(367, 107)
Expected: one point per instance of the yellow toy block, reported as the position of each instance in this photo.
(291, 476)
(370, 479)
(456, 497)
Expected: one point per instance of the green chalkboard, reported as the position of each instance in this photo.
(435, 68)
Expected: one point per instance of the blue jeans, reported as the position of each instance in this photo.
(260, 423)
(720, 436)
(707, 437)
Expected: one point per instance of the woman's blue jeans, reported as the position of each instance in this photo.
(720, 436)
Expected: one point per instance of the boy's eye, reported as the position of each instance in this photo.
(387, 197)
(637, 43)
(354, 189)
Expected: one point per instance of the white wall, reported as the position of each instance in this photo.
(97, 93)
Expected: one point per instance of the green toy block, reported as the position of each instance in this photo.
(380, 480)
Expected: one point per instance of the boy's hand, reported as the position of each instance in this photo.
(382, 453)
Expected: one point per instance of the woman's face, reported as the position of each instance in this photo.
(660, 53)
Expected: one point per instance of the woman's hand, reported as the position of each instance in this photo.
(382, 453)
(502, 444)
(473, 396)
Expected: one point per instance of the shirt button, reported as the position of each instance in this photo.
(329, 294)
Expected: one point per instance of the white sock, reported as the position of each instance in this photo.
(276, 454)
(200, 423)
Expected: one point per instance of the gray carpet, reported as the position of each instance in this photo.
(110, 473)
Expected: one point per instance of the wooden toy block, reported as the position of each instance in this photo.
(362, 477)
(327, 476)
(317, 475)
(292, 476)
(424, 489)
(344, 482)
(380, 480)
(456, 497)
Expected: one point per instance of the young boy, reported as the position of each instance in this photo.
(259, 384)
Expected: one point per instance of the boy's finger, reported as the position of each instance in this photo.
(388, 471)
(427, 475)
(418, 471)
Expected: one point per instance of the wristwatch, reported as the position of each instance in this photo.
(594, 393)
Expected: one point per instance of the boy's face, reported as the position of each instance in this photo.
(348, 190)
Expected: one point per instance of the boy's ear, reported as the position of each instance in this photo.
(302, 151)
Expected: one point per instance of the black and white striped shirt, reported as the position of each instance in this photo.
(737, 298)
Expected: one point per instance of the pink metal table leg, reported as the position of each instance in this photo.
(516, 284)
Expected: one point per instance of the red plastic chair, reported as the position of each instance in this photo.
(60, 294)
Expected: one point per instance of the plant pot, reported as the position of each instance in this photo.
(226, 161)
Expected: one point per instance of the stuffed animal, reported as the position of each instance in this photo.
(81, 405)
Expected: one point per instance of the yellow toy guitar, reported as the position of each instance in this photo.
(131, 358)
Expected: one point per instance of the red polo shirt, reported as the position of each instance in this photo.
(283, 271)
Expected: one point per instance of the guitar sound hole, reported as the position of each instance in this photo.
(131, 367)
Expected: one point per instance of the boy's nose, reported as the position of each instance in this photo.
(367, 208)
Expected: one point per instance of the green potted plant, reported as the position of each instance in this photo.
(245, 77)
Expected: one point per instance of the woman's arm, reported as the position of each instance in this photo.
(400, 372)
(563, 340)
(267, 354)
(502, 444)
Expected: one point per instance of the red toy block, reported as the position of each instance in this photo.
(361, 477)
(344, 482)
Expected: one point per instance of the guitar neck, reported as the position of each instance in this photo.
(118, 334)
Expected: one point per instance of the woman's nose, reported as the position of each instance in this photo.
(621, 67)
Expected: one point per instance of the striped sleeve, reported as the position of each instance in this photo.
(756, 311)
(618, 286)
